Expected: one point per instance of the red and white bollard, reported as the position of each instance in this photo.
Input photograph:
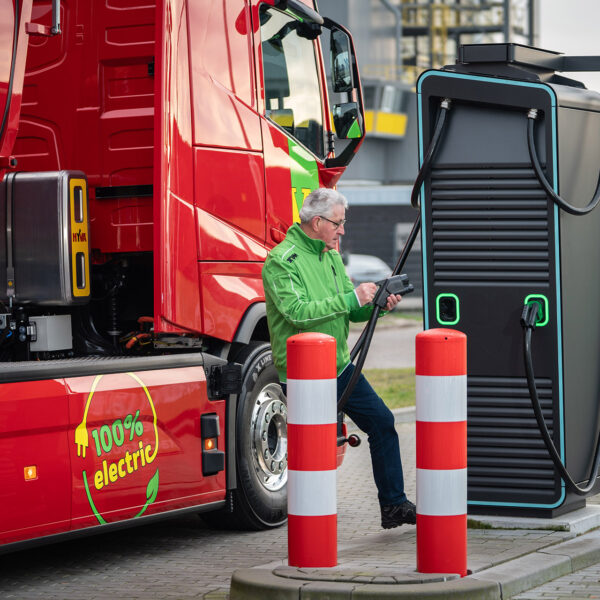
(312, 449)
(441, 409)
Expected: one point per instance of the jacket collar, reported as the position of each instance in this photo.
(298, 237)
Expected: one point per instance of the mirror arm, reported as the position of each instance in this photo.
(300, 9)
(346, 156)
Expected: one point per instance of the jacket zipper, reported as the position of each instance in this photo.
(335, 280)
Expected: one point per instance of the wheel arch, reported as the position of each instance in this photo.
(253, 326)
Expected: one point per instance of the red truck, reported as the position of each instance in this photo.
(151, 154)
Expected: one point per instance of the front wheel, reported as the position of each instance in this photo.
(260, 499)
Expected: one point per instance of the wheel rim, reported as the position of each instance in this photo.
(269, 437)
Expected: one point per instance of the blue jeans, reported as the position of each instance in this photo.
(373, 417)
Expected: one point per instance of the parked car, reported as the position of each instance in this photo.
(365, 267)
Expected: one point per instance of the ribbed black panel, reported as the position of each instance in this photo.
(507, 459)
(489, 227)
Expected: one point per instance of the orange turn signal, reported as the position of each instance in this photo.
(30, 473)
(210, 443)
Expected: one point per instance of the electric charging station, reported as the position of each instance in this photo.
(493, 241)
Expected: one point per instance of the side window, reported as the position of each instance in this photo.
(292, 90)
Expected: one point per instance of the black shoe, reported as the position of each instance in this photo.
(398, 514)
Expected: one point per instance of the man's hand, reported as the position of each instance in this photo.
(365, 293)
(392, 300)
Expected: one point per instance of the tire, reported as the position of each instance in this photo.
(260, 499)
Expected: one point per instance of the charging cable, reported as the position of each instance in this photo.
(528, 321)
(530, 314)
(572, 210)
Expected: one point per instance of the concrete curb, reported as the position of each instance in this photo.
(578, 521)
(262, 584)
(499, 582)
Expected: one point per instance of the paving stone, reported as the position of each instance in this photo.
(579, 584)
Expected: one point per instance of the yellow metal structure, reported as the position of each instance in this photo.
(386, 124)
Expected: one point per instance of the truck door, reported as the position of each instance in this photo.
(209, 165)
(176, 281)
(294, 108)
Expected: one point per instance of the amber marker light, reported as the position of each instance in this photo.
(30, 473)
(210, 443)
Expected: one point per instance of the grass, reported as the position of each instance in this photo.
(474, 524)
(393, 319)
(395, 386)
(412, 315)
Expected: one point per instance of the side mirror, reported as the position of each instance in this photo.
(347, 120)
(348, 108)
(341, 65)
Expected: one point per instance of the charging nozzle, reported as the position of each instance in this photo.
(529, 316)
(397, 284)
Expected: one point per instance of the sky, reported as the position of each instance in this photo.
(571, 27)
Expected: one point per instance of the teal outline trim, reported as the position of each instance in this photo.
(523, 504)
(536, 298)
(552, 95)
(437, 308)
(421, 196)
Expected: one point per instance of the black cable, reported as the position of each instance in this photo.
(12, 71)
(429, 155)
(535, 401)
(361, 348)
(572, 210)
(528, 326)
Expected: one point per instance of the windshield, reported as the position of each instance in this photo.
(291, 79)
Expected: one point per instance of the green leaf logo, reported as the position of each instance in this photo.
(152, 489)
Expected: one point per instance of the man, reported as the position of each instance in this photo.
(307, 289)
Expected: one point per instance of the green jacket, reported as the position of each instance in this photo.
(307, 289)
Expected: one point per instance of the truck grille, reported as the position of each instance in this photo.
(489, 227)
(507, 459)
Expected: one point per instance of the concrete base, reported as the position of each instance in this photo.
(501, 581)
(578, 521)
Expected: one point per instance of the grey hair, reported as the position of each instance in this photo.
(320, 203)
